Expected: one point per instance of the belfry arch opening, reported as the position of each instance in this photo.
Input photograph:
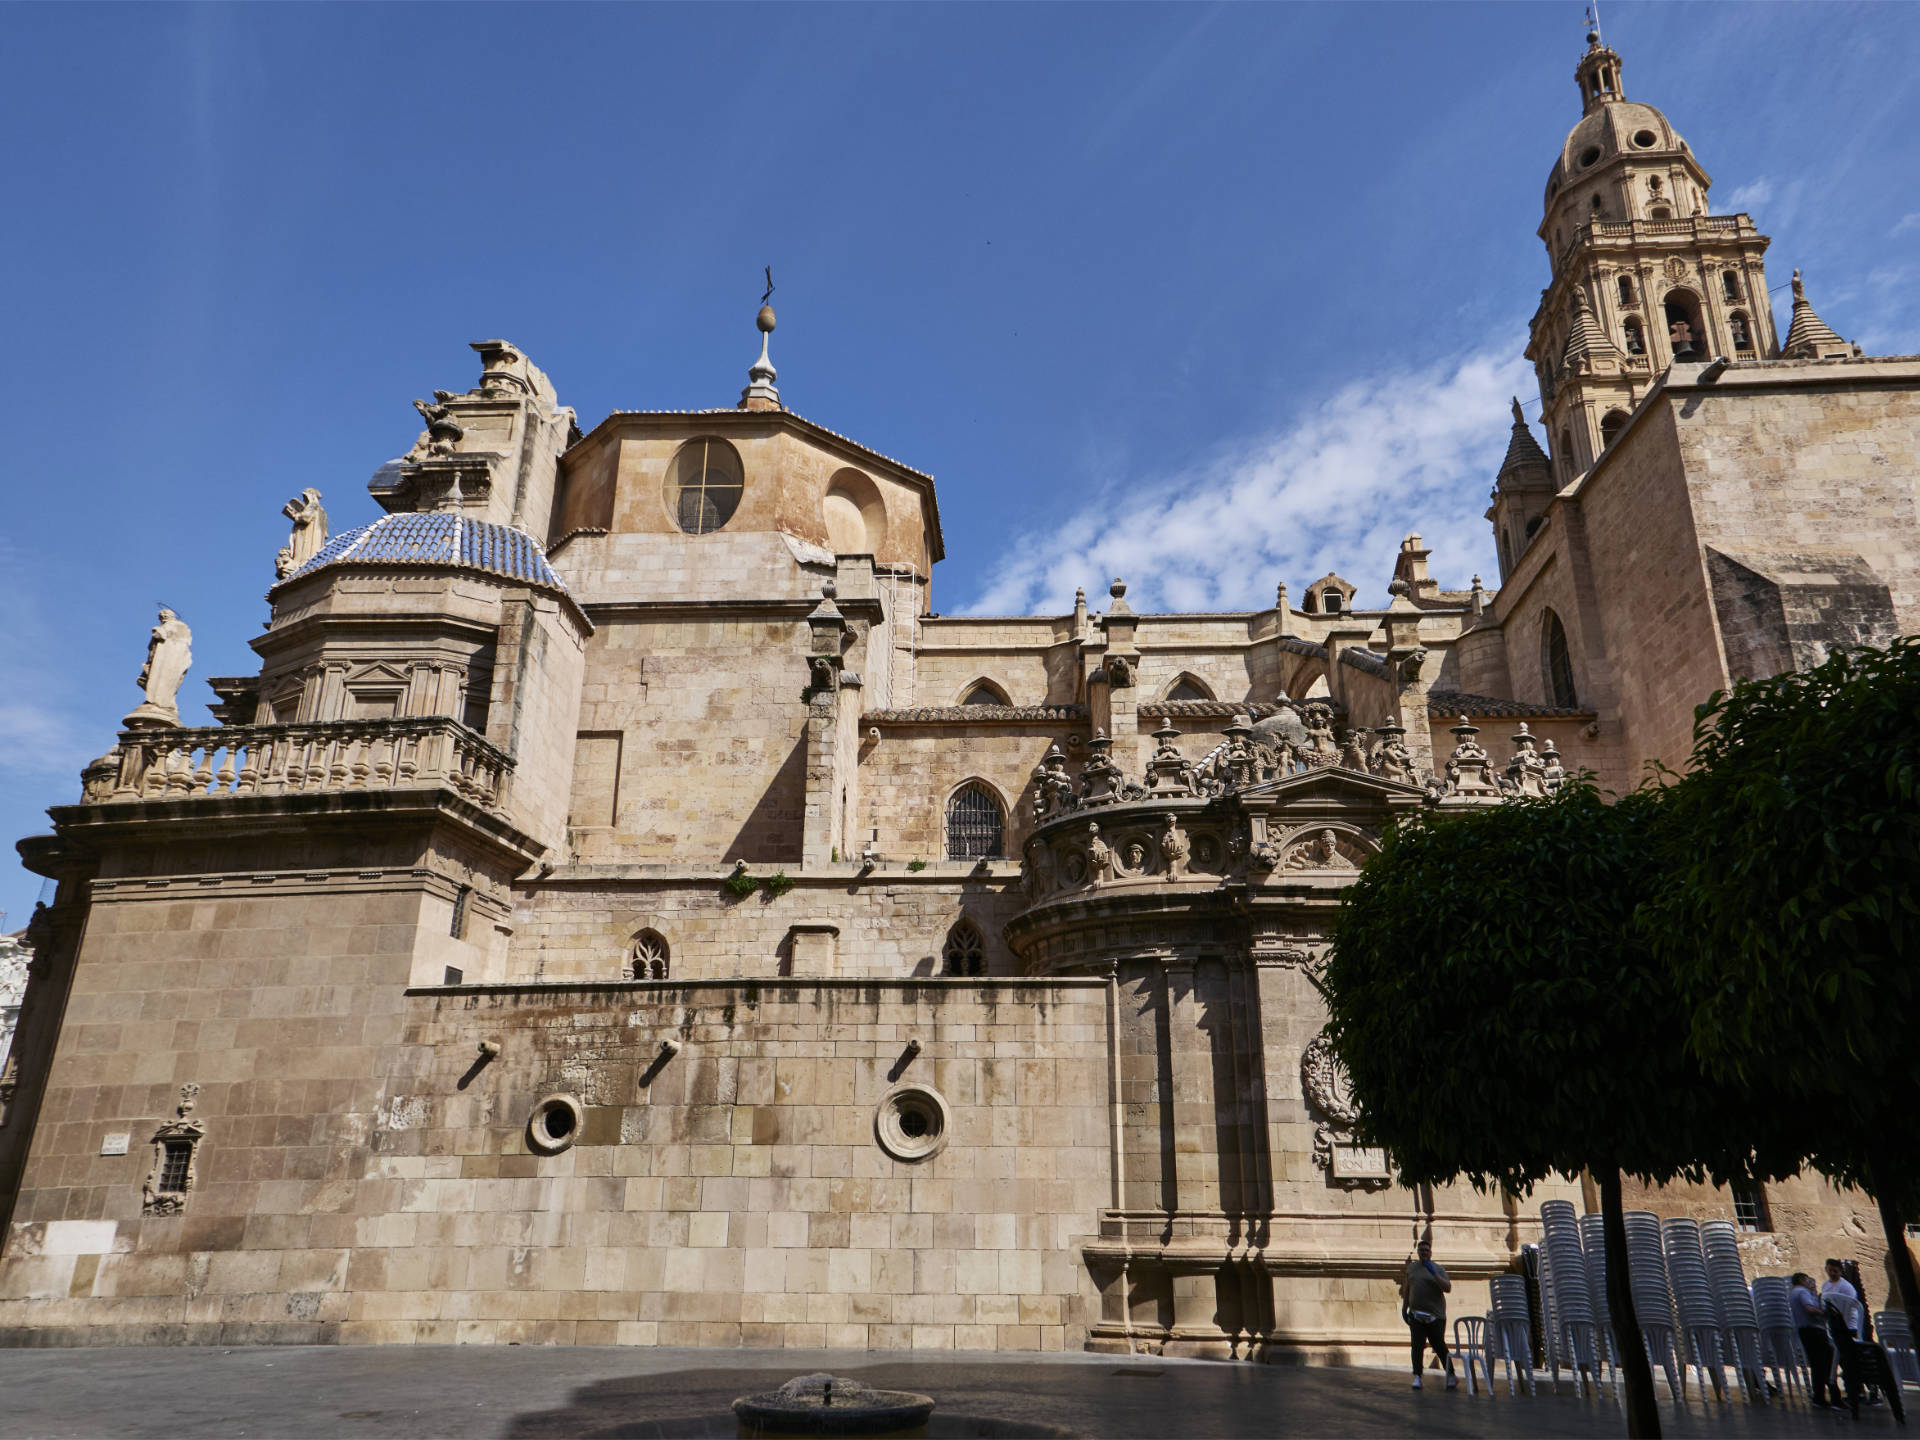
(1686, 329)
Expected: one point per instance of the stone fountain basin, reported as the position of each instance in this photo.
(828, 1405)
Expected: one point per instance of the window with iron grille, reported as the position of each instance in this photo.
(1750, 1208)
(974, 827)
(704, 485)
(965, 952)
(174, 1166)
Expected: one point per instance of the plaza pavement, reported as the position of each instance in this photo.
(537, 1391)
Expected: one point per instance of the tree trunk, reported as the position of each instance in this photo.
(1643, 1406)
(1898, 1255)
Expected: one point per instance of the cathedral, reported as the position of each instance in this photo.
(620, 910)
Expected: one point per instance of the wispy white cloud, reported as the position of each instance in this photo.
(1756, 192)
(1906, 223)
(1335, 489)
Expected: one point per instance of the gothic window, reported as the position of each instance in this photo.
(1742, 332)
(1611, 424)
(647, 956)
(1626, 289)
(965, 952)
(704, 484)
(1188, 688)
(1730, 284)
(1556, 661)
(983, 692)
(1636, 337)
(975, 829)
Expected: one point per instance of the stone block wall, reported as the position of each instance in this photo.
(734, 1193)
(891, 923)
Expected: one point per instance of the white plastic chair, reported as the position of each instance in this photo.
(1470, 1334)
(1897, 1335)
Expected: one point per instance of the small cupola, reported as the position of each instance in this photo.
(1598, 74)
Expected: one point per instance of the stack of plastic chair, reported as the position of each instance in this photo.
(1733, 1301)
(1576, 1327)
(1652, 1299)
(1693, 1299)
(1779, 1336)
(1512, 1328)
(1897, 1335)
(1593, 1240)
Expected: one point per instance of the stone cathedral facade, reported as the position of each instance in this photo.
(620, 910)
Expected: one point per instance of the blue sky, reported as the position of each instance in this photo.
(1211, 296)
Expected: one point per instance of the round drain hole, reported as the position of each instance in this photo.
(911, 1122)
(555, 1124)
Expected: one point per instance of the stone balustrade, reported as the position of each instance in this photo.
(331, 756)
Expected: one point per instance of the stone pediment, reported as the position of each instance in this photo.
(1332, 784)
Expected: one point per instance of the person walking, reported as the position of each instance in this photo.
(1423, 1300)
(1810, 1319)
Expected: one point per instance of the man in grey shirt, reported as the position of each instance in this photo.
(1423, 1298)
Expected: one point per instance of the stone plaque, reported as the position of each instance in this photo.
(116, 1143)
(1359, 1162)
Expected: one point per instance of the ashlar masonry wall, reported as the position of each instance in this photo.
(733, 1193)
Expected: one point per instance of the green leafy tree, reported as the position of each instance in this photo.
(1503, 1020)
(1793, 925)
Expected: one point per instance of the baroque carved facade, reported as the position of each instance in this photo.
(619, 910)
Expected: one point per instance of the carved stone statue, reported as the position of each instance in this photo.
(1353, 753)
(1169, 772)
(1099, 856)
(1553, 774)
(1321, 852)
(169, 653)
(1052, 786)
(1320, 749)
(1175, 847)
(1526, 772)
(443, 432)
(1100, 778)
(1119, 672)
(1468, 765)
(309, 533)
(1391, 760)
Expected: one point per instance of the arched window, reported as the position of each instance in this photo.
(965, 952)
(1611, 424)
(704, 484)
(1742, 332)
(1567, 462)
(1636, 337)
(1188, 688)
(1626, 290)
(1686, 334)
(1556, 662)
(975, 828)
(647, 956)
(983, 692)
(1730, 284)
(1533, 525)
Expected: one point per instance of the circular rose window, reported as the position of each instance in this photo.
(911, 1122)
(555, 1124)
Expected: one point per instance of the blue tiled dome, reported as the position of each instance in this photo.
(438, 538)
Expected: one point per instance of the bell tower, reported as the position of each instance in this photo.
(1642, 275)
